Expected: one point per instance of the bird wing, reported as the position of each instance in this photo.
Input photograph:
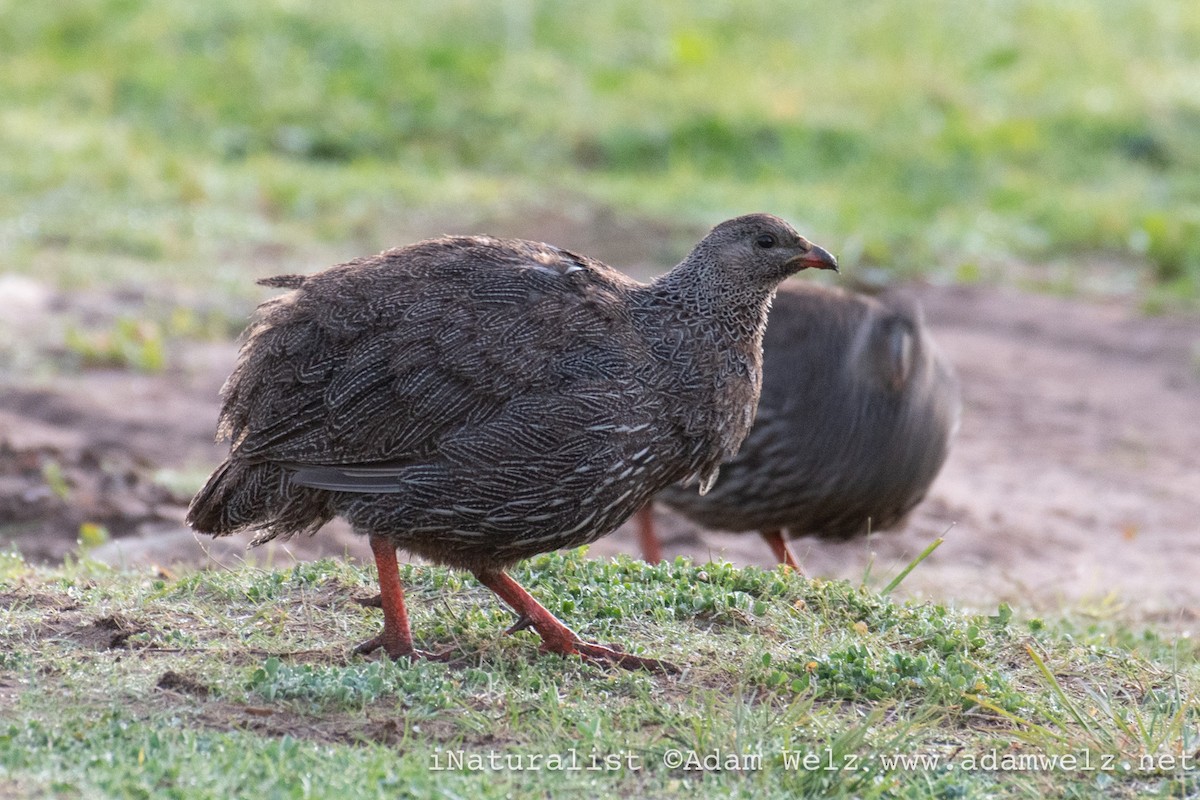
(440, 350)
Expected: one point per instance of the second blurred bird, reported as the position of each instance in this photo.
(857, 412)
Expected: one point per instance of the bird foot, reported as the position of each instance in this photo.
(600, 654)
(557, 637)
(397, 649)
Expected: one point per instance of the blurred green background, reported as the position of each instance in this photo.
(1047, 143)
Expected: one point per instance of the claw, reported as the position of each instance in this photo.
(396, 650)
(523, 623)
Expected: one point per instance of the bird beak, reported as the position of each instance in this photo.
(817, 257)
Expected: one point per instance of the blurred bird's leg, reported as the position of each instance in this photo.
(557, 637)
(651, 549)
(779, 547)
(396, 637)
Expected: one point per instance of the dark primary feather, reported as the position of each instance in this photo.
(855, 419)
(479, 400)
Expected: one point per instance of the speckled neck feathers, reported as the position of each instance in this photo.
(714, 325)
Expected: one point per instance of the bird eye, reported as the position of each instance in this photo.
(765, 240)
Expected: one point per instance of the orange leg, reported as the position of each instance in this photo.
(557, 637)
(395, 638)
(779, 547)
(651, 549)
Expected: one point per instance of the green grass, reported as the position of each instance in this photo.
(115, 684)
(204, 140)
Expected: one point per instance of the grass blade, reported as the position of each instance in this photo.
(896, 581)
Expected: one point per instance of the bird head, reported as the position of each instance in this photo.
(764, 249)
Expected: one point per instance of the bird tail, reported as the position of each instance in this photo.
(210, 511)
(243, 496)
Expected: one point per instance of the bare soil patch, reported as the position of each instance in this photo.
(107, 633)
(173, 681)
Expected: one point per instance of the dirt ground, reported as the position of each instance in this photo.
(1074, 480)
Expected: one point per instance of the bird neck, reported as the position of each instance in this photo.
(707, 296)
(713, 329)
